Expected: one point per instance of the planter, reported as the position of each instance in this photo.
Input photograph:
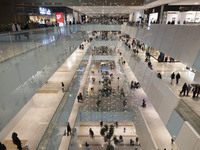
(110, 147)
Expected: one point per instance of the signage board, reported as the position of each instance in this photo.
(59, 17)
(44, 11)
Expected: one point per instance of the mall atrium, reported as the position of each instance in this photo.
(100, 75)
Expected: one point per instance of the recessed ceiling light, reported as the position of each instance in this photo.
(196, 3)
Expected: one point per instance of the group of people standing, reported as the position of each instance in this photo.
(185, 88)
(135, 85)
(16, 28)
(178, 76)
(81, 47)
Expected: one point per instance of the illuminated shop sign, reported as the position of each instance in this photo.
(45, 11)
(59, 17)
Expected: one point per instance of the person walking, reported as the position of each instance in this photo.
(16, 141)
(172, 77)
(87, 146)
(137, 140)
(2, 146)
(178, 76)
(195, 89)
(198, 90)
(91, 132)
(124, 129)
(132, 85)
(62, 84)
(172, 140)
(137, 51)
(16, 28)
(143, 103)
(26, 34)
(132, 82)
(121, 138)
(116, 124)
(159, 75)
(68, 129)
(78, 98)
(188, 89)
(184, 88)
(150, 65)
(81, 96)
(124, 103)
(101, 123)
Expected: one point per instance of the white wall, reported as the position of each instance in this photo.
(177, 41)
(162, 98)
(23, 75)
(131, 17)
(153, 17)
(101, 28)
(103, 43)
(75, 14)
(171, 15)
(181, 17)
(137, 14)
(187, 138)
(69, 18)
(145, 137)
(197, 77)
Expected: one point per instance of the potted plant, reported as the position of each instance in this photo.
(98, 104)
(108, 132)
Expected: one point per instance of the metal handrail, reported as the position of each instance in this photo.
(43, 142)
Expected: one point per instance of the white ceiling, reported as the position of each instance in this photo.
(112, 10)
(115, 10)
(104, 2)
(187, 2)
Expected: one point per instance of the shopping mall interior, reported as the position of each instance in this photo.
(100, 75)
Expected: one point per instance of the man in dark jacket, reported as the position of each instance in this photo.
(184, 88)
(178, 76)
(172, 77)
(16, 141)
(2, 146)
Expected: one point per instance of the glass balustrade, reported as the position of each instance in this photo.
(16, 43)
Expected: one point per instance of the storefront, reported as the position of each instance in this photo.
(182, 17)
(39, 16)
(159, 56)
(153, 17)
(174, 14)
(154, 53)
(47, 17)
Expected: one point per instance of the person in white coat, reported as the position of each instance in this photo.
(15, 28)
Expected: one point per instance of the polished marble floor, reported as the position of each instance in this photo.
(189, 107)
(31, 127)
(33, 124)
(98, 143)
(114, 103)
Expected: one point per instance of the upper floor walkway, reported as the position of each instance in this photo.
(179, 113)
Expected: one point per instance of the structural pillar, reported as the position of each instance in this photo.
(161, 14)
(197, 77)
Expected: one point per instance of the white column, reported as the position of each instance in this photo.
(197, 77)
(75, 14)
(131, 17)
(138, 14)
